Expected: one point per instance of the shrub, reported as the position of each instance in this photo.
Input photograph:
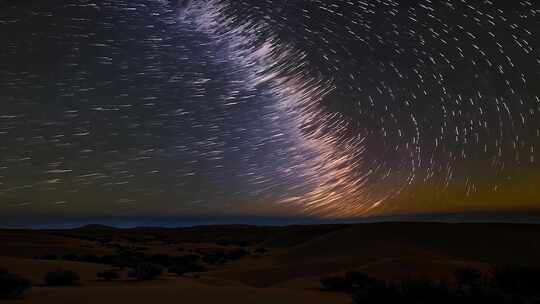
(361, 281)
(422, 289)
(472, 288)
(215, 258)
(71, 257)
(261, 250)
(49, 256)
(353, 281)
(182, 269)
(61, 277)
(12, 285)
(163, 260)
(380, 293)
(90, 258)
(224, 243)
(517, 280)
(237, 254)
(146, 271)
(113, 260)
(468, 278)
(336, 283)
(108, 275)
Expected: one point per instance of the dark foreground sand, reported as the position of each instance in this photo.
(288, 271)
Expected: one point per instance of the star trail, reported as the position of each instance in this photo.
(336, 109)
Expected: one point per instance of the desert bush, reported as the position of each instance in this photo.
(12, 285)
(49, 256)
(517, 280)
(515, 285)
(336, 283)
(187, 259)
(71, 257)
(163, 260)
(413, 290)
(237, 254)
(384, 293)
(89, 258)
(224, 243)
(361, 281)
(421, 290)
(182, 269)
(114, 260)
(214, 258)
(243, 243)
(146, 271)
(468, 278)
(61, 277)
(261, 250)
(221, 256)
(108, 275)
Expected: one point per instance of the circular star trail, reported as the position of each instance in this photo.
(329, 108)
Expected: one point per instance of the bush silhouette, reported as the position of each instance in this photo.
(146, 271)
(261, 250)
(182, 269)
(61, 277)
(336, 283)
(237, 254)
(108, 275)
(90, 258)
(517, 280)
(49, 256)
(215, 258)
(12, 285)
(160, 259)
(468, 279)
(508, 285)
(359, 280)
(71, 257)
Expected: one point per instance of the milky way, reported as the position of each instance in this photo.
(331, 108)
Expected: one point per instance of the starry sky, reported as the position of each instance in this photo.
(320, 108)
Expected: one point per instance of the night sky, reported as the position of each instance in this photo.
(323, 108)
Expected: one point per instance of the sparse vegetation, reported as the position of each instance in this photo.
(161, 254)
(12, 285)
(71, 257)
(61, 277)
(519, 285)
(237, 254)
(468, 279)
(217, 257)
(88, 258)
(49, 256)
(518, 280)
(336, 283)
(108, 275)
(146, 271)
(182, 269)
(261, 250)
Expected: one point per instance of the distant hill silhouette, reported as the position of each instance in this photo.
(96, 227)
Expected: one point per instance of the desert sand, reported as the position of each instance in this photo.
(280, 264)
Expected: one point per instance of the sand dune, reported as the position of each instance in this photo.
(288, 270)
